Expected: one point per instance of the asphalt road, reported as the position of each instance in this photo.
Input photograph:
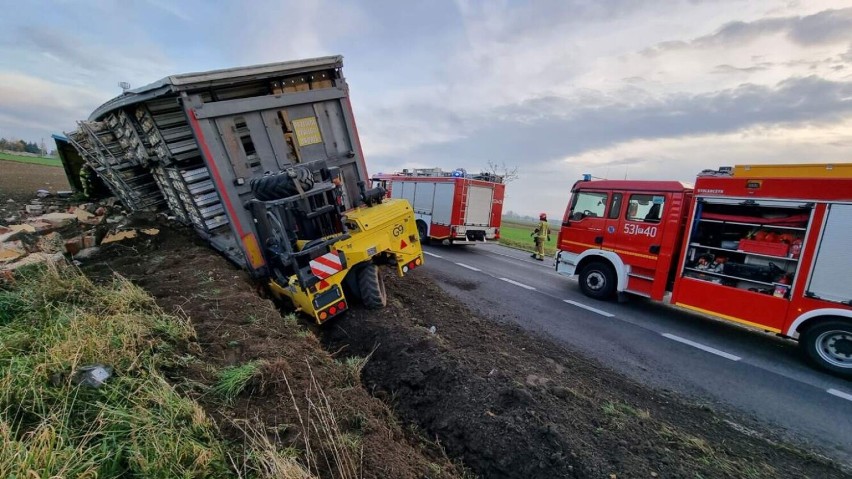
(755, 379)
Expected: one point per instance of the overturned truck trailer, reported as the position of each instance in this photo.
(265, 163)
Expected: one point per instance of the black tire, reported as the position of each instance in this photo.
(372, 287)
(282, 184)
(597, 280)
(421, 231)
(828, 346)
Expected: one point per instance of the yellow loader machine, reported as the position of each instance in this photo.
(265, 163)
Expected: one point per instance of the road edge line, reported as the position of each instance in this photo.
(522, 285)
(589, 308)
(709, 349)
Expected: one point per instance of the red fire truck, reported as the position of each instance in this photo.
(451, 207)
(760, 246)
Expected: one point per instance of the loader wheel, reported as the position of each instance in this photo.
(597, 280)
(828, 346)
(372, 287)
(282, 184)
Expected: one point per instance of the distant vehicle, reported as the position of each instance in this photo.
(767, 247)
(450, 207)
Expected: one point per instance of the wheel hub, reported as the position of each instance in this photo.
(595, 280)
(835, 347)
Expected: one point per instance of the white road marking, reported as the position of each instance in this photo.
(522, 285)
(840, 394)
(468, 267)
(433, 254)
(589, 308)
(702, 347)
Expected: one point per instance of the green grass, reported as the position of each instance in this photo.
(35, 160)
(353, 366)
(54, 320)
(234, 379)
(517, 235)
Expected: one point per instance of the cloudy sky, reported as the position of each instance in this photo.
(616, 88)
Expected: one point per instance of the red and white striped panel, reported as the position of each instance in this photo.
(326, 265)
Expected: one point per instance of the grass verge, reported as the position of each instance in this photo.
(54, 320)
(35, 160)
(517, 235)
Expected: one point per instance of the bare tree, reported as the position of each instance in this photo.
(508, 173)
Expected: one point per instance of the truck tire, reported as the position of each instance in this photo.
(597, 280)
(828, 345)
(282, 184)
(421, 231)
(372, 287)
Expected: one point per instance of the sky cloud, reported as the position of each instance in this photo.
(657, 88)
(825, 27)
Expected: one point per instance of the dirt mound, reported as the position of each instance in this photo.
(511, 405)
(235, 326)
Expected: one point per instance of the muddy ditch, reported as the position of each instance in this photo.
(488, 396)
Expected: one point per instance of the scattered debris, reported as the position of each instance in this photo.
(42, 193)
(51, 243)
(13, 232)
(24, 228)
(34, 209)
(82, 214)
(93, 375)
(32, 258)
(11, 251)
(119, 236)
(66, 228)
(432, 329)
(87, 252)
(151, 231)
(64, 193)
(40, 226)
(89, 240)
(57, 220)
(74, 245)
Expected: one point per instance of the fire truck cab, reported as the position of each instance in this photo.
(628, 230)
(769, 252)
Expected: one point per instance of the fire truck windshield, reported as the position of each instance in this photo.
(588, 204)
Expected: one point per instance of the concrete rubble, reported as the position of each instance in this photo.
(53, 228)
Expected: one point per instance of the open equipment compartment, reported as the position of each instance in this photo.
(748, 244)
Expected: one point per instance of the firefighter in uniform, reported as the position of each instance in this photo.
(542, 234)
